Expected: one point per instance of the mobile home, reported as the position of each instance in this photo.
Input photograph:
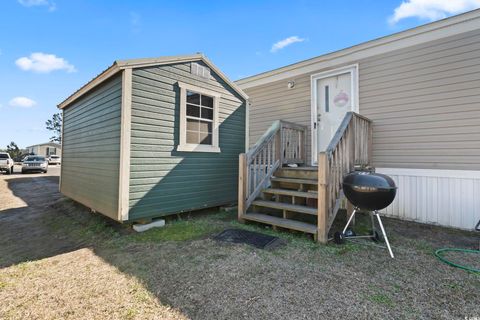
(152, 137)
(407, 104)
(45, 149)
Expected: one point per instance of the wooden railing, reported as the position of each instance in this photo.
(293, 143)
(350, 146)
(283, 143)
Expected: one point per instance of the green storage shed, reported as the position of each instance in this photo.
(153, 137)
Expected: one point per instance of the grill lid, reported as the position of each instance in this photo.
(369, 191)
(366, 180)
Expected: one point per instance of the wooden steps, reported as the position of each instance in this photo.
(280, 222)
(285, 206)
(283, 193)
(293, 193)
(298, 172)
(294, 180)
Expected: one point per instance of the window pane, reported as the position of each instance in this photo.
(205, 138)
(192, 137)
(207, 113)
(193, 97)
(205, 126)
(327, 99)
(193, 111)
(192, 125)
(207, 101)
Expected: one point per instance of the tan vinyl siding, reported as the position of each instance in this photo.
(425, 104)
(162, 180)
(276, 102)
(91, 142)
(424, 101)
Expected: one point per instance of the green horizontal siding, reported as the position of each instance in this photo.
(91, 148)
(162, 180)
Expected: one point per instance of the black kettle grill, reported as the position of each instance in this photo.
(368, 191)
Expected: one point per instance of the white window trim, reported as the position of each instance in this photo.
(192, 147)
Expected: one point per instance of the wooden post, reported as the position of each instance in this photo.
(242, 185)
(323, 204)
(370, 143)
(351, 144)
(278, 146)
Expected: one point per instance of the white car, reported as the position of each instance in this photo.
(35, 163)
(54, 159)
(6, 163)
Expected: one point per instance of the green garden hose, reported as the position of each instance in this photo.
(444, 260)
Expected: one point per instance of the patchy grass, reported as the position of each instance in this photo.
(83, 266)
(182, 230)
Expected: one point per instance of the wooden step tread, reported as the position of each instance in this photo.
(300, 168)
(280, 222)
(294, 180)
(285, 206)
(287, 192)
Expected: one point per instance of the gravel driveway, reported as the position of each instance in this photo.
(59, 261)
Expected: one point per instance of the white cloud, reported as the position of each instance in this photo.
(44, 63)
(431, 9)
(22, 102)
(285, 42)
(36, 3)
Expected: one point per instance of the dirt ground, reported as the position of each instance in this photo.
(59, 261)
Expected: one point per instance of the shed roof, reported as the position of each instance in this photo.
(120, 65)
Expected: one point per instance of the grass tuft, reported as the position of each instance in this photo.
(381, 298)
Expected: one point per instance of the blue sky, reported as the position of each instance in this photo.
(48, 49)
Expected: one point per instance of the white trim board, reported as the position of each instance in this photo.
(125, 138)
(462, 174)
(183, 146)
(448, 198)
(429, 32)
(353, 70)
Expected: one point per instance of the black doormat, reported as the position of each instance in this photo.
(261, 241)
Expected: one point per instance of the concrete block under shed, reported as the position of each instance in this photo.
(144, 227)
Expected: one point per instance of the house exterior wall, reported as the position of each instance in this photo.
(162, 180)
(275, 101)
(423, 100)
(91, 144)
(425, 104)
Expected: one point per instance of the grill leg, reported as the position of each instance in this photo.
(384, 234)
(372, 221)
(349, 220)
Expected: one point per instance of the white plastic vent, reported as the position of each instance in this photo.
(200, 70)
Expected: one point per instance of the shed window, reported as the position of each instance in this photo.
(198, 119)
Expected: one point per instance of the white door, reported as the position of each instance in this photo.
(334, 96)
